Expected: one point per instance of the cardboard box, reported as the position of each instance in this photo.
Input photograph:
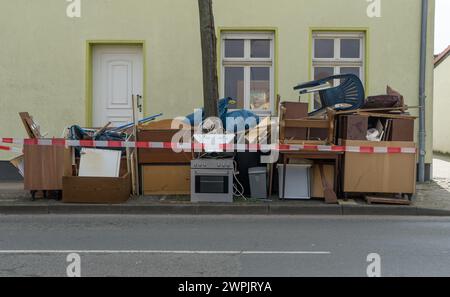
(94, 190)
(380, 173)
(317, 187)
(166, 180)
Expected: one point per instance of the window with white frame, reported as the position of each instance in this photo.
(337, 53)
(247, 70)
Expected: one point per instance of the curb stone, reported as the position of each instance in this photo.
(220, 209)
(379, 210)
(279, 209)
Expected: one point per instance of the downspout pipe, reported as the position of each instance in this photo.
(422, 96)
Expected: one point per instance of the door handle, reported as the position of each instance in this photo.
(139, 102)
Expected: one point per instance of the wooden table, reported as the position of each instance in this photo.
(318, 156)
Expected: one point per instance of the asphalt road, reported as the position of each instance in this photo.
(223, 245)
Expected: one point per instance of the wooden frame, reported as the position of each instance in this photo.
(307, 123)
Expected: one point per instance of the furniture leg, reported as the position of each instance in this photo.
(33, 195)
(284, 177)
(336, 175)
(270, 179)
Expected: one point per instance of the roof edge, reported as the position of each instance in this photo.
(441, 57)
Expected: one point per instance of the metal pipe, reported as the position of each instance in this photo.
(422, 96)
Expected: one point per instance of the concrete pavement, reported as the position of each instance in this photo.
(223, 245)
(432, 200)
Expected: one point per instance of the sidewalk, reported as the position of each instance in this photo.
(433, 199)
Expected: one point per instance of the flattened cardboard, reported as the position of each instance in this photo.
(380, 173)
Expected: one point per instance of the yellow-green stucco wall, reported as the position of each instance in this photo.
(43, 53)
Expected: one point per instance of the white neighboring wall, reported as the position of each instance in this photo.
(441, 120)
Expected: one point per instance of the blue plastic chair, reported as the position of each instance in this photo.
(350, 92)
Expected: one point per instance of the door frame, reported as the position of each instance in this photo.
(90, 76)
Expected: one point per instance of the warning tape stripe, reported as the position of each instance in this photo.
(197, 147)
(10, 149)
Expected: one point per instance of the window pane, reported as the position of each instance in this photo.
(350, 48)
(260, 48)
(319, 73)
(234, 48)
(350, 70)
(324, 48)
(260, 88)
(323, 72)
(234, 85)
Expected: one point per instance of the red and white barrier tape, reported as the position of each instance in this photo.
(10, 149)
(200, 147)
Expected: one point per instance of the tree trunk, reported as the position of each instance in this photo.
(209, 57)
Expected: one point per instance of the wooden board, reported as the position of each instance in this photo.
(387, 115)
(304, 142)
(110, 190)
(30, 126)
(386, 200)
(166, 180)
(161, 156)
(306, 123)
(317, 187)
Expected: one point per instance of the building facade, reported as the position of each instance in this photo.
(60, 69)
(441, 106)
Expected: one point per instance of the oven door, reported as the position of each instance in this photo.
(211, 181)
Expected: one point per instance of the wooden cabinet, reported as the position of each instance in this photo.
(45, 167)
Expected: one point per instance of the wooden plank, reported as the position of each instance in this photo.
(386, 200)
(166, 180)
(305, 123)
(304, 142)
(377, 109)
(387, 116)
(30, 126)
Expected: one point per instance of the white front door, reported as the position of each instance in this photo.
(117, 76)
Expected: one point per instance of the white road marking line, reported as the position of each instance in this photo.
(165, 252)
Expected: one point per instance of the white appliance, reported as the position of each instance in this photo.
(212, 180)
(298, 181)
